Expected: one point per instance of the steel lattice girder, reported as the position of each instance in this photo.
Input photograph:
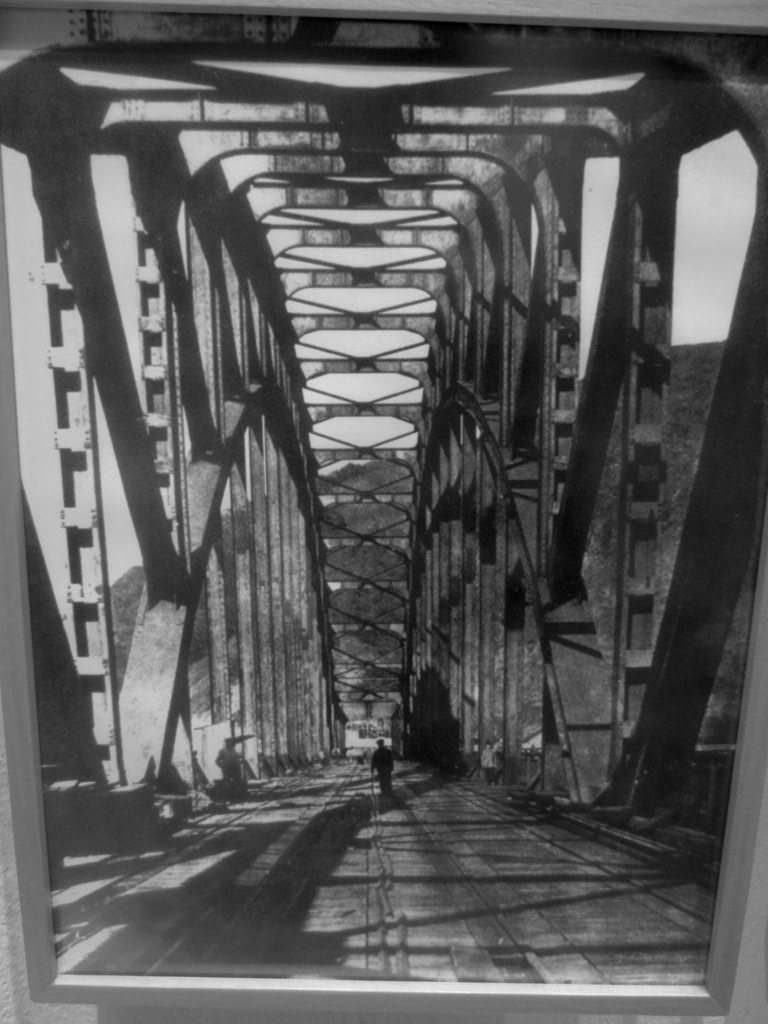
(481, 157)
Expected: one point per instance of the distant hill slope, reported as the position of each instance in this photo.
(126, 599)
(126, 596)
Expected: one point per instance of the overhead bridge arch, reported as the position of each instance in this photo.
(318, 382)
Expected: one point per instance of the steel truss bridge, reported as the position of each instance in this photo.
(309, 300)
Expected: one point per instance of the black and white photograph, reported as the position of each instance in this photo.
(392, 405)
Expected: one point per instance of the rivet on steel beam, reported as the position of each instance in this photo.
(69, 358)
(52, 275)
(75, 439)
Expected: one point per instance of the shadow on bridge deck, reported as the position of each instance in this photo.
(317, 874)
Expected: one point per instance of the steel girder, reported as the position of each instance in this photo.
(364, 272)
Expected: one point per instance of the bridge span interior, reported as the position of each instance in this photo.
(376, 380)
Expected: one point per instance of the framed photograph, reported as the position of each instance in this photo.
(385, 456)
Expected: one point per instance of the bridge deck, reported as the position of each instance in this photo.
(444, 882)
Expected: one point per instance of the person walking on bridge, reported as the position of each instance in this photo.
(383, 763)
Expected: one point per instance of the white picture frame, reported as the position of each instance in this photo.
(310, 994)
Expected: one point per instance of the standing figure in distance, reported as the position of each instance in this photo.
(232, 782)
(383, 763)
(498, 760)
(488, 763)
(475, 764)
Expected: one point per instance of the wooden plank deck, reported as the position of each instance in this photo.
(316, 874)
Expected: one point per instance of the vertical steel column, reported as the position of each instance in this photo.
(218, 653)
(307, 738)
(499, 621)
(417, 637)
(204, 315)
(427, 657)
(305, 591)
(231, 612)
(312, 655)
(277, 588)
(443, 536)
(478, 312)
(549, 243)
(241, 520)
(470, 651)
(641, 511)
(209, 336)
(434, 612)
(519, 289)
(487, 574)
(157, 366)
(560, 355)
(81, 514)
(263, 609)
(508, 350)
(443, 618)
(514, 661)
(455, 558)
(291, 598)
